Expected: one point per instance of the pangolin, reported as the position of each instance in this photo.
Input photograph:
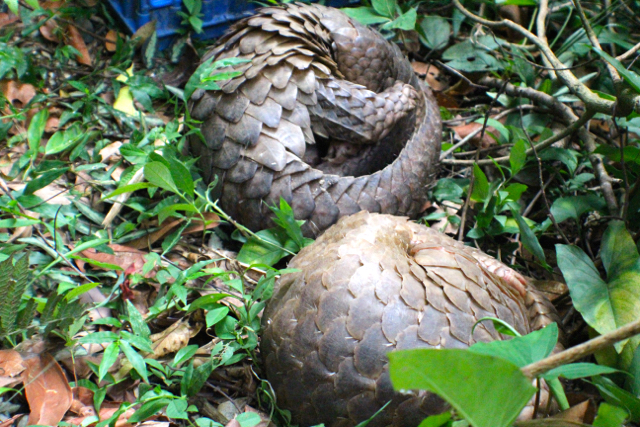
(375, 283)
(325, 113)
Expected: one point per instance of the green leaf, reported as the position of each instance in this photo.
(574, 207)
(605, 305)
(517, 157)
(629, 76)
(480, 191)
(148, 409)
(177, 409)
(502, 130)
(206, 302)
(248, 419)
(610, 416)
(365, 15)
(99, 338)
(406, 21)
(528, 237)
(184, 354)
(285, 219)
(436, 32)
(158, 174)
(619, 397)
(136, 360)
(459, 377)
(216, 315)
(523, 350)
(138, 325)
(109, 357)
(574, 371)
(436, 420)
(128, 189)
(500, 325)
(181, 176)
(385, 7)
(62, 140)
(36, 129)
(73, 293)
(13, 6)
(267, 248)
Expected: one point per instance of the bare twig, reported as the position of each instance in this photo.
(582, 350)
(629, 53)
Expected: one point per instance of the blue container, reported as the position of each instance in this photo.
(218, 15)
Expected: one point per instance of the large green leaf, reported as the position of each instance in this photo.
(461, 377)
(605, 305)
(523, 350)
(436, 32)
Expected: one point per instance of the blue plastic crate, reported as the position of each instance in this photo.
(218, 15)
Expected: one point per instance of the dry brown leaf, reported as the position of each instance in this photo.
(150, 239)
(479, 140)
(11, 367)
(126, 257)
(172, 339)
(7, 18)
(47, 390)
(110, 150)
(112, 37)
(432, 74)
(143, 33)
(19, 94)
(51, 31)
(581, 413)
(75, 40)
(82, 403)
(106, 411)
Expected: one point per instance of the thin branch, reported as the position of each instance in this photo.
(541, 29)
(578, 352)
(628, 54)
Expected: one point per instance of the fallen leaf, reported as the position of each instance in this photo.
(11, 367)
(110, 150)
(112, 38)
(124, 101)
(19, 94)
(76, 40)
(124, 256)
(432, 74)
(7, 18)
(150, 239)
(479, 140)
(47, 390)
(143, 33)
(172, 339)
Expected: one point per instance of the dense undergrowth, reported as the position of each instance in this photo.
(119, 266)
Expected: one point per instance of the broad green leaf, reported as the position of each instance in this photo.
(99, 338)
(610, 416)
(459, 377)
(206, 302)
(618, 397)
(177, 409)
(62, 140)
(130, 188)
(69, 296)
(43, 180)
(148, 409)
(248, 419)
(158, 174)
(436, 420)
(574, 207)
(184, 354)
(629, 76)
(500, 325)
(285, 219)
(13, 6)
(181, 176)
(365, 15)
(138, 325)
(385, 7)
(267, 248)
(502, 130)
(605, 305)
(215, 315)
(436, 32)
(517, 157)
(528, 237)
(135, 359)
(522, 350)
(574, 371)
(36, 129)
(406, 21)
(109, 357)
(480, 191)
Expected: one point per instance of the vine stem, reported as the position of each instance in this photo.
(578, 352)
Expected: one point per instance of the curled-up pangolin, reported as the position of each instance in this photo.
(372, 284)
(326, 113)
